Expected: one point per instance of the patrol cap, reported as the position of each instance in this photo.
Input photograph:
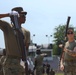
(19, 10)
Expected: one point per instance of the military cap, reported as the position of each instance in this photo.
(19, 10)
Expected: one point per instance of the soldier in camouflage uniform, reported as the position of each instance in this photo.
(39, 62)
(11, 64)
(68, 61)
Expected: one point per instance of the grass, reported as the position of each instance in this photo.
(59, 74)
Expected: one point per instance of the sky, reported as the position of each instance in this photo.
(43, 16)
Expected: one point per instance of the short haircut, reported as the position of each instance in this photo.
(70, 28)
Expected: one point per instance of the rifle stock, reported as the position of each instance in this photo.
(20, 40)
(65, 39)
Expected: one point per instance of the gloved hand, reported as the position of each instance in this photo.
(13, 13)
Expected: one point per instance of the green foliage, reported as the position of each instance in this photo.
(59, 33)
(59, 37)
(56, 50)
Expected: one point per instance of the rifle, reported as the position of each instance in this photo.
(65, 39)
(20, 40)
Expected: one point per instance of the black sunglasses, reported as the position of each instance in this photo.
(69, 32)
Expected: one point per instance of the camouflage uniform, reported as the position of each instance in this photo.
(15, 68)
(39, 62)
(69, 61)
(1, 69)
(39, 65)
(2, 57)
(11, 64)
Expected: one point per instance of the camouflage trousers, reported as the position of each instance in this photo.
(39, 70)
(11, 66)
(1, 70)
(70, 70)
(1, 64)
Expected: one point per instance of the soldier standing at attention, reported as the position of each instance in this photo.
(68, 60)
(39, 62)
(11, 64)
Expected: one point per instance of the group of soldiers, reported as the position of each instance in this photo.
(12, 54)
(68, 59)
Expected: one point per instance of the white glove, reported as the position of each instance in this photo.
(14, 13)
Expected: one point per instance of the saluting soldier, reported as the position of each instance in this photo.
(11, 64)
(39, 62)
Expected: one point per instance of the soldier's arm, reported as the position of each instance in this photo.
(3, 25)
(8, 14)
(61, 62)
(44, 54)
(4, 15)
(27, 40)
(70, 52)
